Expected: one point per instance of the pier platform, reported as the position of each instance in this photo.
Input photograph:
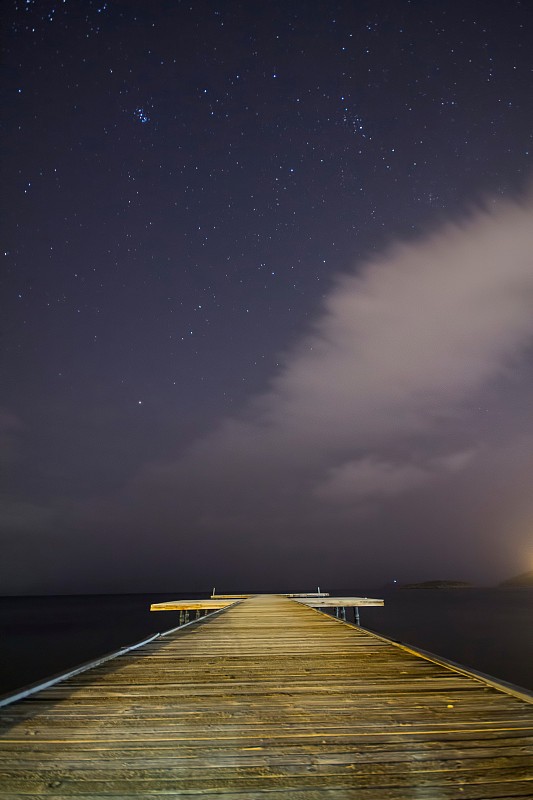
(269, 698)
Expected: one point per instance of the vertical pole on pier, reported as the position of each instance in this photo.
(357, 621)
(344, 613)
(337, 610)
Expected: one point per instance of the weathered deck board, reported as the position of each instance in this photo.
(331, 602)
(210, 604)
(268, 698)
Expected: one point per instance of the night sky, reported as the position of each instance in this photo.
(267, 294)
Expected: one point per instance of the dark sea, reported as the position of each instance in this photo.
(489, 630)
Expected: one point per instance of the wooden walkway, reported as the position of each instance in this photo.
(268, 699)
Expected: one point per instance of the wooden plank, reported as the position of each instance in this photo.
(256, 757)
(478, 792)
(209, 604)
(269, 696)
(82, 782)
(340, 602)
(486, 791)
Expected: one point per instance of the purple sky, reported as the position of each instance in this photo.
(267, 304)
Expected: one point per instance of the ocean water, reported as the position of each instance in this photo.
(487, 630)
(41, 636)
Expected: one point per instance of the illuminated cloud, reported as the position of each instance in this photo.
(369, 477)
(402, 343)
(408, 337)
(376, 402)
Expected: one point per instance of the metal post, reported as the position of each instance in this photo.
(344, 613)
(357, 621)
(337, 610)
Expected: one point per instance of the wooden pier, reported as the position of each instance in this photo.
(269, 698)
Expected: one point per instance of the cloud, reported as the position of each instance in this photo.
(454, 462)
(370, 477)
(400, 345)
(376, 402)
(410, 335)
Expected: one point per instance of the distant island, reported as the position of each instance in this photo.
(522, 581)
(438, 585)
